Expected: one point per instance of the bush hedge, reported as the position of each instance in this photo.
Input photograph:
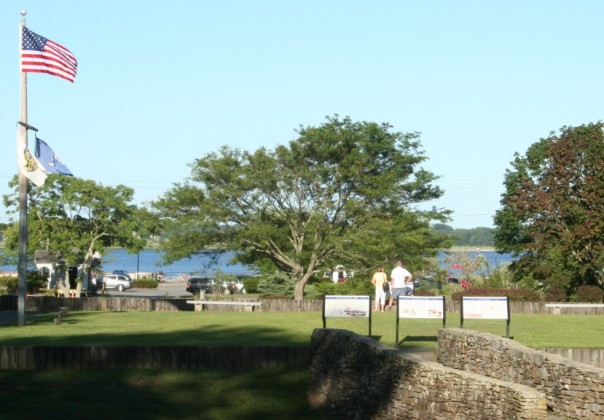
(34, 283)
(423, 292)
(251, 284)
(515, 295)
(146, 283)
(555, 294)
(589, 294)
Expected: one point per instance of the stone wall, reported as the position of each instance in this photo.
(573, 389)
(358, 378)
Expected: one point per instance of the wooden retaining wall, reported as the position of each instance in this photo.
(99, 357)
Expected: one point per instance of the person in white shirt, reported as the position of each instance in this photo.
(402, 282)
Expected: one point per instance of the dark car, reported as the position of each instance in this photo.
(197, 284)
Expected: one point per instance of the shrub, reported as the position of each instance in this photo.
(326, 287)
(555, 294)
(146, 283)
(500, 277)
(251, 284)
(4, 280)
(34, 283)
(353, 286)
(356, 286)
(451, 289)
(311, 292)
(424, 292)
(10, 283)
(522, 295)
(514, 295)
(276, 284)
(589, 294)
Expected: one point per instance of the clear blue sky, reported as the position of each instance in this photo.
(162, 83)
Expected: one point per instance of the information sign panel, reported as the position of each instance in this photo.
(490, 307)
(485, 307)
(421, 307)
(417, 307)
(346, 307)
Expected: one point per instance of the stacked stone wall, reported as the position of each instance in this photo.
(358, 378)
(572, 389)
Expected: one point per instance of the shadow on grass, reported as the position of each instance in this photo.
(418, 341)
(243, 393)
(154, 394)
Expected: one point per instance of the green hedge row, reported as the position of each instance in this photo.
(11, 284)
(146, 283)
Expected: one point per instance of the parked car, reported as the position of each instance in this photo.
(117, 281)
(197, 284)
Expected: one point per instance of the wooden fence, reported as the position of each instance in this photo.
(593, 357)
(51, 304)
(100, 357)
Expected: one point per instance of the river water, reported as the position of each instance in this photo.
(208, 263)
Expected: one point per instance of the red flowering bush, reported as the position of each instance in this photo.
(589, 294)
(555, 294)
(515, 295)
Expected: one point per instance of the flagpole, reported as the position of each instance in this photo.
(22, 266)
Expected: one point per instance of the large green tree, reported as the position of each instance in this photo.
(73, 218)
(340, 193)
(552, 212)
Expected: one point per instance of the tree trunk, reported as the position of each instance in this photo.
(299, 289)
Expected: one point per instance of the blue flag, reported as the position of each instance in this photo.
(51, 163)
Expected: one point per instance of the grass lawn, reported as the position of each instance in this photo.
(220, 394)
(284, 329)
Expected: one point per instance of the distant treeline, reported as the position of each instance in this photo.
(480, 236)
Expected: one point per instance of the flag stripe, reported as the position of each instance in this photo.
(36, 61)
(43, 67)
(41, 55)
(31, 57)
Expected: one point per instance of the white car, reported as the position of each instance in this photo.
(117, 281)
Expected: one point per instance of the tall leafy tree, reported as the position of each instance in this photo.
(341, 193)
(552, 212)
(73, 218)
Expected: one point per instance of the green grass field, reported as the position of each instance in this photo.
(220, 394)
(284, 329)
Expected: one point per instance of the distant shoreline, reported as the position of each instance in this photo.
(459, 248)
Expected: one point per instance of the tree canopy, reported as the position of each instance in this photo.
(73, 218)
(340, 193)
(552, 212)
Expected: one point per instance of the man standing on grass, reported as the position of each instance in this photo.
(400, 282)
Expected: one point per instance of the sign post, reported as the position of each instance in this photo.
(493, 307)
(346, 307)
(425, 307)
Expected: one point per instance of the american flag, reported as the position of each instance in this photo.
(41, 55)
